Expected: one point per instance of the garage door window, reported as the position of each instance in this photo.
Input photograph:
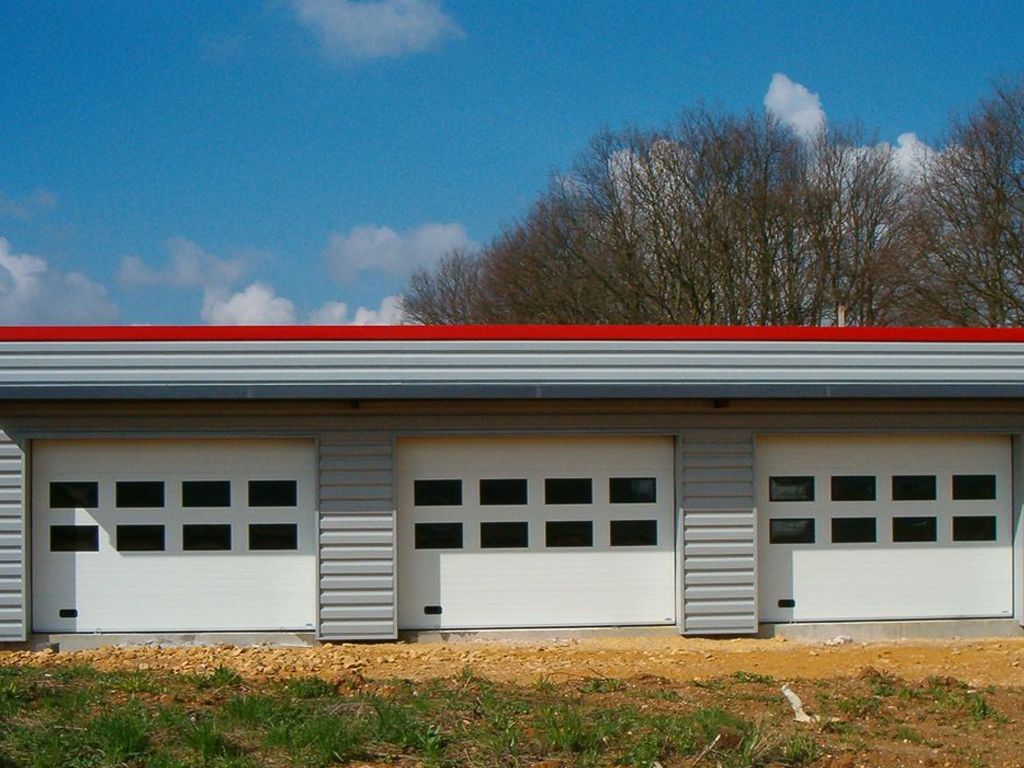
(791, 488)
(853, 488)
(854, 530)
(634, 533)
(206, 493)
(437, 493)
(74, 538)
(438, 535)
(273, 493)
(632, 490)
(974, 487)
(914, 529)
(204, 537)
(974, 528)
(568, 490)
(791, 530)
(503, 492)
(569, 533)
(504, 535)
(64, 495)
(139, 494)
(140, 538)
(273, 536)
(913, 488)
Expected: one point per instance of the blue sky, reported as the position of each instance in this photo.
(292, 160)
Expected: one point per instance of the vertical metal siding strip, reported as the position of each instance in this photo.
(1017, 472)
(356, 537)
(13, 516)
(718, 512)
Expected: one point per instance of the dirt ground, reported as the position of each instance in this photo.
(874, 705)
(977, 662)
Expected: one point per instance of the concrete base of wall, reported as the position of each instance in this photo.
(531, 635)
(81, 642)
(940, 629)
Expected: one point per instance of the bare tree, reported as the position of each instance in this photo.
(971, 219)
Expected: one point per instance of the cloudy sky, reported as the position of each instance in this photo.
(291, 161)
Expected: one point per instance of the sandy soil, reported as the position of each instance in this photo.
(978, 662)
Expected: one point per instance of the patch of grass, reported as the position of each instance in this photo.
(221, 677)
(960, 699)
(858, 706)
(204, 737)
(710, 684)
(120, 736)
(309, 688)
(883, 685)
(398, 725)
(321, 739)
(753, 677)
(906, 733)
(603, 685)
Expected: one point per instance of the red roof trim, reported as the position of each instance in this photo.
(502, 333)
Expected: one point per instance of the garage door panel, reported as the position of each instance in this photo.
(264, 579)
(939, 575)
(538, 584)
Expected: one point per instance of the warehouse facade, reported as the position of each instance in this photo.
(358, 482)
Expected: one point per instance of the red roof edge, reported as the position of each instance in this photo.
(502, 333)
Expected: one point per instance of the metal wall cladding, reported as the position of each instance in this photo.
(500, 368)
(12, 541)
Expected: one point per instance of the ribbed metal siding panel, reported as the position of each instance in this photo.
(719, 558)
(393, 363)
(12, 541)
(357, 523)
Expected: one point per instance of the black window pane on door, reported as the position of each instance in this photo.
(504, 535)
(913, 487)
(853, 488)
(914, 529)
(438, 535)
(569, 533)
(437, 493)
(503, 492)
(74, 538)
(72, 495)
(634, 533)
(273, 493)
(974, 487)
(632, 490)
(791, 488)
(140, 538)
(206, 493)
(568, 490)
(204, 537)
(139, 494)
(854, 530)
(791, 530)
(273, 536)
(974, 528)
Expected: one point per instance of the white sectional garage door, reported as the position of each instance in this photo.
(173, 535)
(535, 532)
(884, 527)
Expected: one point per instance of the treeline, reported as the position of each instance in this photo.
(727, 219)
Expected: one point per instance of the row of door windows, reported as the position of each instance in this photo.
(557, 533)
(864, 488)
(864, 530)
(149, 494)
(200, 537)
(515, 491)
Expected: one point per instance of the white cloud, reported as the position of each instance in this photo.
(189, 266)
(794, 105)
(28, 205)
(330, 313)
(336, 313)
(368, 30)
(382, 249)
(33, 293)
(389, 313)
(255, 305)
(912, 155)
